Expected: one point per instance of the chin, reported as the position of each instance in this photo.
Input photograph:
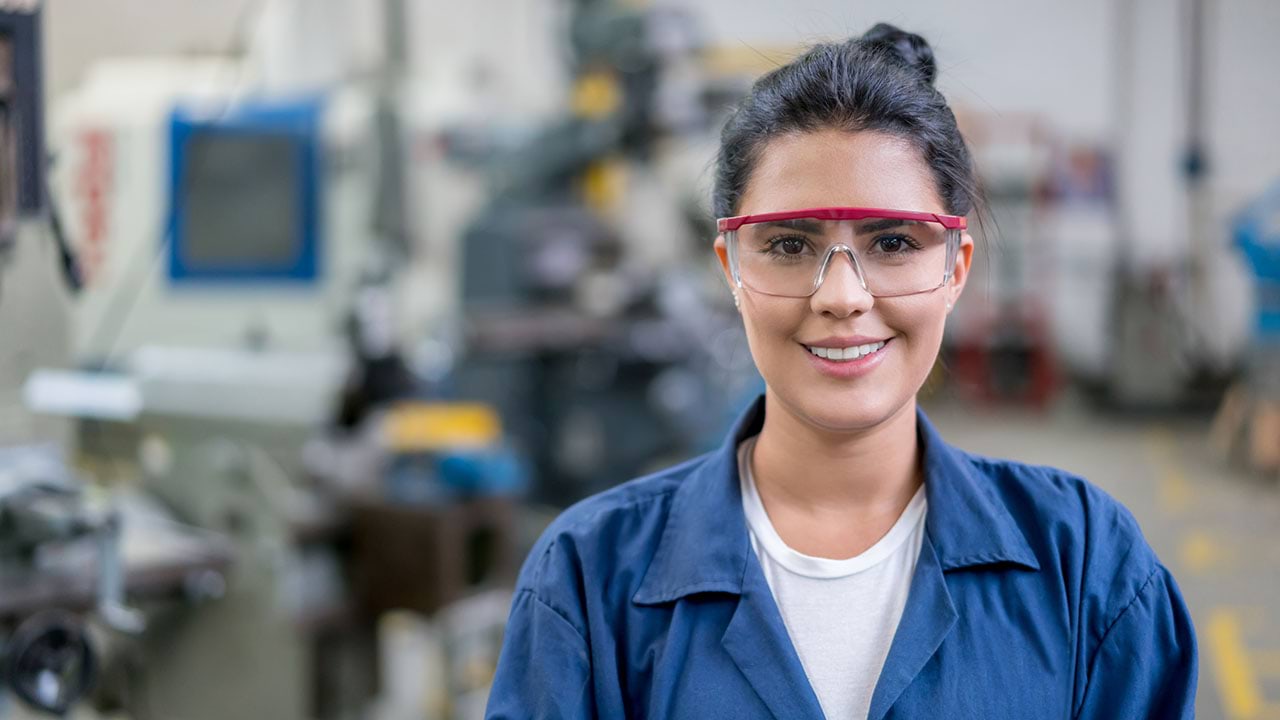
(850, 410)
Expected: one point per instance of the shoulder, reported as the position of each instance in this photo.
(610, 533)
(1134, 642)
(1080, 529)
(1044, 499)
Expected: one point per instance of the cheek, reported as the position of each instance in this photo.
(924, 314)
(920, 321)
(772, 323)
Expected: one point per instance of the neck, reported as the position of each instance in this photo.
(819, 472)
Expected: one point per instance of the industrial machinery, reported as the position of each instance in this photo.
(218, 227)
(49, 662)
(74, 561)
(207, 220)
(604, 367)
(46, 657)
(998, 343)
(239, 243)
(69, 563)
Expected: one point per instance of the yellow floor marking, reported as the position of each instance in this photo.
(1237, 681)
(1200, 552)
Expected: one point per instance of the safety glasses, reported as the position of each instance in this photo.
(893, 252)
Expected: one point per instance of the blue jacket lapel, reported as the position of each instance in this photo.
(757, 640)
(926, 620)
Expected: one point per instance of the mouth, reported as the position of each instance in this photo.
(847, 354)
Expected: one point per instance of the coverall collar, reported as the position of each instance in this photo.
(705, 546)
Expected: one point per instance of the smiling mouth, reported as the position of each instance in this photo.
(846, 354)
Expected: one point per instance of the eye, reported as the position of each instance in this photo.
(890, 244)
(790, 246)
(895, 244)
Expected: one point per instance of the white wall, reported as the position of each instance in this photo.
(1009, 55)
(1244, 100)
(78, 32)
(509, 51)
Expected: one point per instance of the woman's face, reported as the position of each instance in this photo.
(836, 168)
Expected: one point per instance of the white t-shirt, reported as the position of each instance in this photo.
(841, 614)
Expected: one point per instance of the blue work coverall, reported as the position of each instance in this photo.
(1034, 596)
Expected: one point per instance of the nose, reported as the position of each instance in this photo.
(840, 293)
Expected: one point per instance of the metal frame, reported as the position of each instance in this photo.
(22, 28)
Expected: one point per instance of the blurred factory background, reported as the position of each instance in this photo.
(313, 313)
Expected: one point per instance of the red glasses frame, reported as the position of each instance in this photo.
(950, 222)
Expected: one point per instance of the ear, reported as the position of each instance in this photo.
(960, 275)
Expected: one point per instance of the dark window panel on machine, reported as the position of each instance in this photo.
(21, 125)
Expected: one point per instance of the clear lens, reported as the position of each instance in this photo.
(895, 257)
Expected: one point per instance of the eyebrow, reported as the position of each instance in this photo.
(800, 224)
(884, 224)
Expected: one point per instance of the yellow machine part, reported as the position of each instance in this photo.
(603, 184)
(426, 427)
(596, 95)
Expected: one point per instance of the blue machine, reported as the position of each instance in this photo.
(245, 191)
(1256, 231)
(447, 477)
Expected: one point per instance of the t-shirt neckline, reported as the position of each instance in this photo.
(816, 567)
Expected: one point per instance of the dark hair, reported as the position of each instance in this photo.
(881, 81)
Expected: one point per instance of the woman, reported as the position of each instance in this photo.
(836, 558)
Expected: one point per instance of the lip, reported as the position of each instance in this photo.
(847, 369)
(844, 342)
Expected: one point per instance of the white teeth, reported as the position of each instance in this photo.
(842, 354)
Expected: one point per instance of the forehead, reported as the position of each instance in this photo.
(830, 168)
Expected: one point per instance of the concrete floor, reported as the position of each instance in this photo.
(1216, 528)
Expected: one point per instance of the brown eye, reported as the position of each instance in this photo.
(891, 244)
(791, 246)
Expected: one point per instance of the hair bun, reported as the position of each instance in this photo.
(907, 47)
